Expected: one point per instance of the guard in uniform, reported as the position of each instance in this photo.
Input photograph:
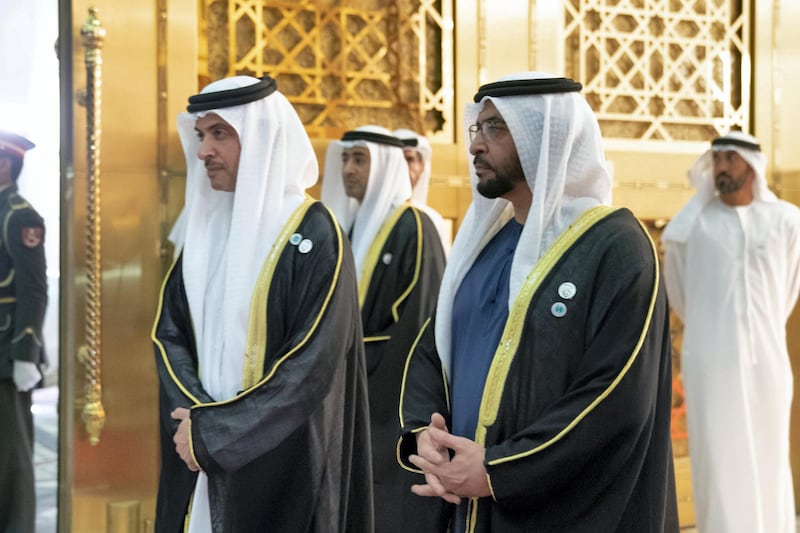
(23, 300)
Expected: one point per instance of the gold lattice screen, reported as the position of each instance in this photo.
(342, 63)
(662, 70)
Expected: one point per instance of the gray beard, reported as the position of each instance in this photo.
(729, 184)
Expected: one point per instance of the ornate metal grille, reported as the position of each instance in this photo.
(662, 70)
(342, 64)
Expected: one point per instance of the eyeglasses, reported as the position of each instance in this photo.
(491, 130)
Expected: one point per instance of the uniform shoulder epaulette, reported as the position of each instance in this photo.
(15, 201)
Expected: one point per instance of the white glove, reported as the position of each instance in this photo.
(26, 375)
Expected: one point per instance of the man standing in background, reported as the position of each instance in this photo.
(732, 270)
(399, 260)
(418, 152)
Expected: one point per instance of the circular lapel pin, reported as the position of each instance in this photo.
(558, 309)
(387, 258)
(305, 246)
(295, 239)
(567, 290)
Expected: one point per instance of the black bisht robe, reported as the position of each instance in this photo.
(575, 417)
(398, 290)
(292, 452)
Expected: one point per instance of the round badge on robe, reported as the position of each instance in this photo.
(567, 290)
(305, 246)
(558, 309)
(387, 258)
(295, 239)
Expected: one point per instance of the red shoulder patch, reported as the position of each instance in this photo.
(32, 237)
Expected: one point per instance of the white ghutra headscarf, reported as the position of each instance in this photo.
(229, 234)
(419, 196)
(420, 193)
(560, 150)
(701, 176)
(388, 187)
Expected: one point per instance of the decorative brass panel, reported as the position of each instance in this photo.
(656, 70)
(342, 64)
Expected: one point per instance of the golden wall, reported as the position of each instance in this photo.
(157, 52)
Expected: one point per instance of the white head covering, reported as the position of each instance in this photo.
(420, 193)
(228, 235)
(388, 188)
(560, 150)
(701, 176)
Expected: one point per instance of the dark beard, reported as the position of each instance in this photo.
(727, 184)
(496, 187)
(504, 180)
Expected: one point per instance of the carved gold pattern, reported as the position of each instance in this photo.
(93, 35)
(662, 71)
(342, 64)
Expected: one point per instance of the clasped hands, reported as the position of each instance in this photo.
(463, 476)
(182, 437)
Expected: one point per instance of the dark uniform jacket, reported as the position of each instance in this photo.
(23, 282)
(575, 415)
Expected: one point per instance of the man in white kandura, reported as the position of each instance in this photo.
(732, 271)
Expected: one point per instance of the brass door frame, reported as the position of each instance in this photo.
(67, 273)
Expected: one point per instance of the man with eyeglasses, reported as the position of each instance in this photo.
(539, 399)
(732, 272)
(399, 263)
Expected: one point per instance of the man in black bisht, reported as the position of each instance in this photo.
(399, 260)
(540, 399)
(264, 413)
(23, 301)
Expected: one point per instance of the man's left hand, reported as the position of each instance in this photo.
(464, 475)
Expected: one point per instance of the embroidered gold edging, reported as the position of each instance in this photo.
(405, 370)
(160, 346)
(317, 320)
(491, 487)
(191, 442)
(472, 513)
(6, 282)
(378, 338)
(371, 260)
(188, 513)
(615, 382)
(257, 328)
(417, 267)
(422, 329)
(509, 341)
(9, 300)
(397, 452)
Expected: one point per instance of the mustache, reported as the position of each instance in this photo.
(480, 161)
